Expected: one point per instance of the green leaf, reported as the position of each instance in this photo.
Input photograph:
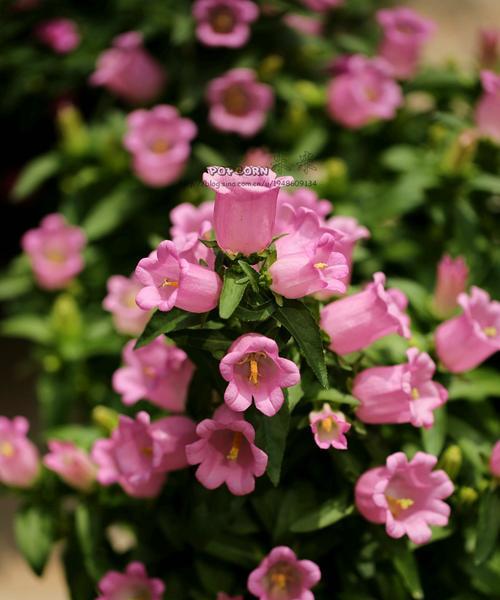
(257, 313)
(475, 386)
(210, 340)
(29, 327)
(35, 173)
(232, 293)
(81, 436)
(166, 322)
(337, 397)
(294, 395)
(91, 539)
(297, 319)
(35, 535)
(234, 550)
(406, 565)
(327, 514)
(109, 213)
(253, 276)
(433, 439)
(488, 526)
(271, 437)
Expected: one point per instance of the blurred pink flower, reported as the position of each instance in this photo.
(55, 251)
(160, 143)
(71, 463)
(400, 394)
(254, 369)
(489, 48)
(405, 495)
(134, 584)
(238, 102)
(495, 460)
(356, 321)
(464, 342)
(245, 209)
(405, 32)
(224, 596)
(302, 24)
(299, 198)
(140, 453)
(59, 34)
(488, 108)
(282, 576)
(170, 280)
(258, 157)
(128, 318)
(224, 22)
(19, 458)
(329, 428)
(186, 218)
(363, 93)
(451, 281)
(129, 71)
(322, 5)
(352, 232)
(157, 372)
(226, 453)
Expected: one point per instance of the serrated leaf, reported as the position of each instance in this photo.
(488, 526)
(166, 322)
(271, 437)
(327, 514)
(35, 534)
(232, 293)
(258, 313)
(297, 319)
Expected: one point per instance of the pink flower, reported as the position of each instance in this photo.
(128, 318)
(451, 280)
(318, 267)
(303, 228)
(157, 372)
(365, 92)
(355, 322)
(170, 280)
(129, 71)
(245, 208)
(55, 251)
(159, 140)
(406, 496)
(464, 342)
(329, 428)
(59, 34)
(300, 198)
(238, 102)
(190, 248)
(254, 369)
(19, 459)
(489, 48)
(226, 453)
(405, 32)
(71, 463)
(258, 157)
(488, 109)
(400, 394)
(322, 5)
(134, 583)
(139, 454)
(495, 460)
(302, 24)
(282, 576)
(186, 218)
(352, 233)
(224, 596)
(224, 22)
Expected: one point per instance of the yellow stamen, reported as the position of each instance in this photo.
(168, 283)
(160, 146)
(320, 265)
(55, 256)
(147, 451)
(279, 580)
(149, 371)
(6, 449)
(327, 424)
(235, 448)
(254, 372)
(490, 331)
(397, 505)
(415, 394)
(222, 20)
